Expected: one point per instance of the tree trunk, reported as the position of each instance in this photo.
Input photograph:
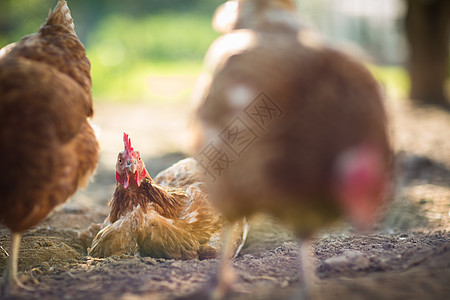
(428, 31)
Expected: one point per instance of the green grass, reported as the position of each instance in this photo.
(124, 52)
(131, 58)
(394, 79)
(132, 83)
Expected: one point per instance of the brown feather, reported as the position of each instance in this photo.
(125, 200)
(327, 103)
(47, 144)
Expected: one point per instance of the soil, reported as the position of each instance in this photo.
(407, 256)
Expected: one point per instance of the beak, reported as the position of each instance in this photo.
(131, 166)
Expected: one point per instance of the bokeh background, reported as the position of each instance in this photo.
(132, 45)
(147, 54)
(135, 45)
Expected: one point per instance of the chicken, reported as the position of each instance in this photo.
(169, 217)
(48, 146)
(286, 125)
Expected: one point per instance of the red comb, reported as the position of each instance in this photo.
(127, 143)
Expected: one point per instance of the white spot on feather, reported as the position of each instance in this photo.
(2, 52)
(284, 17)
(240, 95)
(191, 218)
(95, 127)
(228, 45)
(6, 49)
(226, 16)
(310, 39)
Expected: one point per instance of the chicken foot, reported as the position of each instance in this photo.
(225, 275)
(10, 282)
(305, 271)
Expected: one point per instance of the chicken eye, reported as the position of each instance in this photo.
(120, 160)
(139, 158)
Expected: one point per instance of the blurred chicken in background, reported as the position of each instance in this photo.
(298, 128)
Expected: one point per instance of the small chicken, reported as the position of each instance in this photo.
(287, 125)
(169, 217)
(48, 147)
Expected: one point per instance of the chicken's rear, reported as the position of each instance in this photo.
(48, 147)
(287, 125)
(284, 122)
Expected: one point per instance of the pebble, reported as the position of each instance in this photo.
(350, 260)
(247, 256)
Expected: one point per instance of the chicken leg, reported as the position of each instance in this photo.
(305, 270)
(225, 274)
(10, 281)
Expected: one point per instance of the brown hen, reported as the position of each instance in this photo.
(48, 147)
(168, 217)
(297, 128)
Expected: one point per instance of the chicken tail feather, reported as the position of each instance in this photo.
(61, 15)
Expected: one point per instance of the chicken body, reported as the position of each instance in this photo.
(294, 120)
(48, 147)
(299, 128)
(169, 217)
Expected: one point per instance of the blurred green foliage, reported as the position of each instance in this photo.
(126, 41)
(163, 37)
(125, 51)
(394, 80)
(18, 18)
(138, 47)
(21, 17)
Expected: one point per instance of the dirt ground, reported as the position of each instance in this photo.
(406, 257)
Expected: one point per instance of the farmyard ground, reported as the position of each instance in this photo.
(407, 256)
